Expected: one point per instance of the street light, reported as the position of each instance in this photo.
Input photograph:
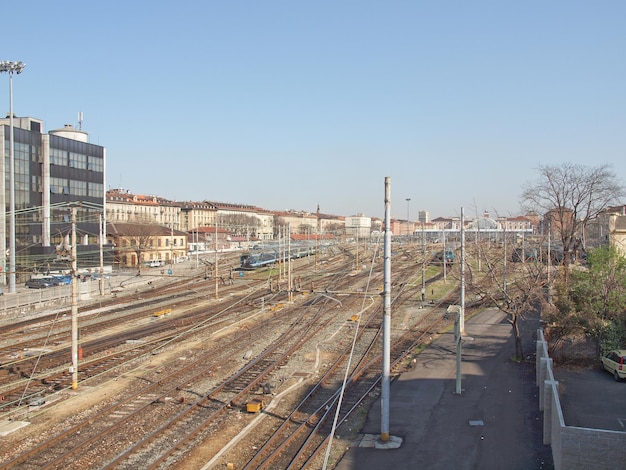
(11, 67)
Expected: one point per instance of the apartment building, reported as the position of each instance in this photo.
(245, 221)
(138, 244)
(358, 226)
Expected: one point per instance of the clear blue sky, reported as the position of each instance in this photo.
(291, 104)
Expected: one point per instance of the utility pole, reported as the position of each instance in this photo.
(172, 247)
(443, 239)
(462, 314)
(424, 263)
(408, 219)
(289, 284)
(101, 237)
(459, 324)
(504, 262)
(458, 339)
(385, 384)
(217, 295)
(356, 255)
(197, 247)
(74, 369)
(279, 254)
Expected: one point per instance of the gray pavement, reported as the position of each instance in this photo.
(495, 423)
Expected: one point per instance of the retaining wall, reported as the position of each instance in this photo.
(573, 447)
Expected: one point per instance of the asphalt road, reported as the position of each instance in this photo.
(591, 398)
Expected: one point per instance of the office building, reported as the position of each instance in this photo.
(53, 171)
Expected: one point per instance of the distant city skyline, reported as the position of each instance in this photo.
(294, 105)
(414, 217)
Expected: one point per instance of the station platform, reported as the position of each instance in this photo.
(494, 423)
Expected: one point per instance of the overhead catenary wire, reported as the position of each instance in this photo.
(354, 339)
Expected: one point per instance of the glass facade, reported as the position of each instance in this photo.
(72, 179)
(76, 175)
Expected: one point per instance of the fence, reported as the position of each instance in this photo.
(31, 301)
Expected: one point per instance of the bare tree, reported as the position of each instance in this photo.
(514, 287)
(571, 195)
(137, 239)
(240, 224)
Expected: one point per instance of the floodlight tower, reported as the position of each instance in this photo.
(11, 67)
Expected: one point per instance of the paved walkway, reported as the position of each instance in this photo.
(495, 423)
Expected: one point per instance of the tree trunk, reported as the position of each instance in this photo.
(519, 354)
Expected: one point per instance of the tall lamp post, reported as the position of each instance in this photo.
(11, 67)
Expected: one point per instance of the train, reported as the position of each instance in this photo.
(447, 255)
(271, 254)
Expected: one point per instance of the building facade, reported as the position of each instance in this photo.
(243, 220)
(617, 233)
(53, 172)
(358, 226)
(139, 244)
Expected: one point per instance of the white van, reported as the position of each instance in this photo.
(156, 263)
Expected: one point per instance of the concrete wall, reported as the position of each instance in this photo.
(572, 447)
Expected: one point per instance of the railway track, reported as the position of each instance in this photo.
(181, 405)
(47, 373)
(175, 390)
(44, 370)
(299, 440)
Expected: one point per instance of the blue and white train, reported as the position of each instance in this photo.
(269, 255)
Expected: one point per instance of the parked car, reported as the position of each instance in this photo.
(58, 280)
(156, 263)
(61, 280)
(38, 283)
(615, 362)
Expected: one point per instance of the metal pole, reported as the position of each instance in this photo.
(217, 295)
(458, 339)
(101, 256)
(408, 219)
(74, 305)
(356, 256)
(443, 238)
(197, 246)
(289, 285)
(504, 263)
(424, 262)
(172, 246)
(11, 67)
(462, 314)
(12, 264)
(385, 385)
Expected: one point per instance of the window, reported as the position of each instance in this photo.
(78, 188)
(59, 186)
(95, 190)
(36, 185)
(78, 160)
(95, 164)
(58, 157)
